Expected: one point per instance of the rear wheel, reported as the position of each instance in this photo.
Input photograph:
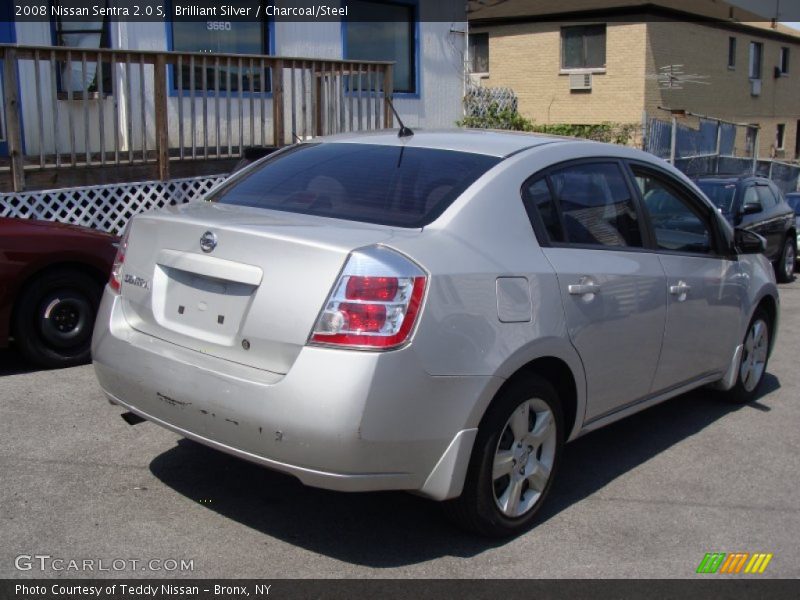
(54, 318)
(784, 268)
(755, 356)
(513, 463)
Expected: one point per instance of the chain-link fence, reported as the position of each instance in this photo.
(709, 146)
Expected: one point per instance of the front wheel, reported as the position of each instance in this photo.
(514, 460)
(755, 356)
(784, 268)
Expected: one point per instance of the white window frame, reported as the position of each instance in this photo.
(752, 61)
(780, 136)
(783, 60)
(732, 46)
(566, 70)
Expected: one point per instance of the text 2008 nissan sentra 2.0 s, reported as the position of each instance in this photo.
(438, 312)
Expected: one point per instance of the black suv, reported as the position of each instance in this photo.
(756, 204)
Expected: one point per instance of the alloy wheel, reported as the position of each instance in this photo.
(524, 457)
(754, 356)
(789, 256)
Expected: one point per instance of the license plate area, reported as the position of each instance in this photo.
(200, 306)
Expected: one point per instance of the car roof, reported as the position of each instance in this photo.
(477, 141)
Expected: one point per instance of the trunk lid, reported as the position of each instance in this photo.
(254, 298)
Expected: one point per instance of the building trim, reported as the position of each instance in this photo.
(636, 14)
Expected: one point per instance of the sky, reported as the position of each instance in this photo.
(787, 11)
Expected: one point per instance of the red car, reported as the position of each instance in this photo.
(51, 280)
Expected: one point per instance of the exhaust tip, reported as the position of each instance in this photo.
(131, 418)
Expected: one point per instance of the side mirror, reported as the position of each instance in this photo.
(749, 242)
(751, 209)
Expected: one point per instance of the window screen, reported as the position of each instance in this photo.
(479, 52)
(583, 47)
(87, 35)
(221, 37)
(386, 33)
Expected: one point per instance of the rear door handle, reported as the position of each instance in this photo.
(586, 287)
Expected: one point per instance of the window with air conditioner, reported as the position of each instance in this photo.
(583, 47)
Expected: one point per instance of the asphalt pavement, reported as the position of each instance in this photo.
(645, 497)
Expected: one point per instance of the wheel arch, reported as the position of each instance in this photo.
(557, 362)
(770, 305)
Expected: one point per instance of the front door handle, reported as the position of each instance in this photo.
(681, 290)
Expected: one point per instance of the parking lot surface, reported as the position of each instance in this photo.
(645, 497)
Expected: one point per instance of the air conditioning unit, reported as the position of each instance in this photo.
(755, 87)
(580, 81)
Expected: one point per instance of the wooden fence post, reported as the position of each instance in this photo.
(316, 99)
(162, 124)
(277, 103)
(13, 119)
(388, 93)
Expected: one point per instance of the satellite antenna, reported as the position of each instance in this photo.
(673, 77)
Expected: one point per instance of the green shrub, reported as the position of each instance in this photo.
(615, 133)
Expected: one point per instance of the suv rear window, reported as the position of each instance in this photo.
(387, 185)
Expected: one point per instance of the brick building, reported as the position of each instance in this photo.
(591, 61)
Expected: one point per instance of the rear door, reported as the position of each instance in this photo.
(613, 292)
(704, 284)
(774, 226)
(757, 219)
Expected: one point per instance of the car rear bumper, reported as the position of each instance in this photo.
(343, 420)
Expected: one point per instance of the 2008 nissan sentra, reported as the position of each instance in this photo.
(436, 313)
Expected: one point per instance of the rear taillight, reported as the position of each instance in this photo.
(375, 302)
(115, 279)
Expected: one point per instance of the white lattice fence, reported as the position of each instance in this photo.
(481, 101)
(105, 207)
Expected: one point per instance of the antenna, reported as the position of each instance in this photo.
(673, 77)
(404, 131)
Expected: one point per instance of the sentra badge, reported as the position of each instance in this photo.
(137, 281)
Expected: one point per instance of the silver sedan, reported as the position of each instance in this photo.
(439, 312)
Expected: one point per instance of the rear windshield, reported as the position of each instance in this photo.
(721, 193)
(388, 185)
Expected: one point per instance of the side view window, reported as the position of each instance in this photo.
(537, 198)
(596, 206)
(766, 196)
(676, 224)
(751, 197)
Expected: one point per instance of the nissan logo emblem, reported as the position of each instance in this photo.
(208, 242)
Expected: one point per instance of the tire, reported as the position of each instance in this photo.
(54, 318)
(753, 365)
(486, 505)
(784, 268)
